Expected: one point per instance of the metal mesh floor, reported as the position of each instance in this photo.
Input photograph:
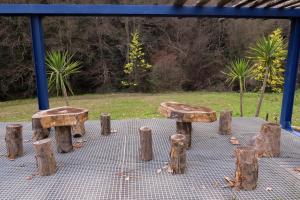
(109, 168)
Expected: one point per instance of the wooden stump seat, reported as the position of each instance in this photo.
(62, 118)
(185, 115)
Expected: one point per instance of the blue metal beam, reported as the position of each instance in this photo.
(144, 10)
(291, 72)
(39, 62)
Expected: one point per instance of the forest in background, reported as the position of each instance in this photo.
(186, 53)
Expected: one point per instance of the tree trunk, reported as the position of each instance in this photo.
(178, 154)
(241, 98)
(146, 151)
(63, 138)
(185, 128)
(65, 95)
(225, 123)
(78, 130)
(246, 174)
(267, 142)
(44, 157)
(14, 141)
(105, 124)
(39, 132)
(262, 92)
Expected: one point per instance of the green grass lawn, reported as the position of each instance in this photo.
(132, 105)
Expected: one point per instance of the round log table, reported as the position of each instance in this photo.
(62, 118)
(185, 115)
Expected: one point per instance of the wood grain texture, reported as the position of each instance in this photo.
(38, 132)
(225, 122)
(61, 116)
(145, 150)
(186, 113)
(178, 154)
(267, 142)
(246, 174)
(45, 157)
(63, 139)
(105, 124)
(14, 141)
(185, 128)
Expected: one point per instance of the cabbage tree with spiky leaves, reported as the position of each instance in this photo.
(239, 70)
(60, 67)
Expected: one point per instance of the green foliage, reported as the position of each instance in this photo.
(269, 54)
(137, 70)
(239, 70)
(59, 69)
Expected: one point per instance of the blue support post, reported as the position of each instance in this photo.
(291, 72)
(39, 61)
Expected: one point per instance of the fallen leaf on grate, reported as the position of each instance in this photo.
(35, 173)
(268, 189)
(27, 141)
(11, 159)
(234, 141)
(158, 171)
(127, 178)
(77, 145)
(28, 177)
(113, 131)
(297, 169)
(229, 181)
(170, 170)
(165, 167)
(215, 184)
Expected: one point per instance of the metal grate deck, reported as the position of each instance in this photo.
(100, 169)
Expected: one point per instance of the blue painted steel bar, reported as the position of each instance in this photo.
(39, 61)
(144, 10)
(291, 72)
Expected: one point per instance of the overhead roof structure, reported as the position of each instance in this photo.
(267, 9)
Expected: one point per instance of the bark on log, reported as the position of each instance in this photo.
(185, 128)
(44, 157)
(246, 174)
(105, 124)
(178, 154)
(39, 132)
(14, 141)
(78, 130)
(225, 121)
(146, 151)
(63, 138)
(267, 142)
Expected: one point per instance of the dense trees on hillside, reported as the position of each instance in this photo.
(185, 53)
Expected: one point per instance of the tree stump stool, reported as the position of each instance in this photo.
(14, 141)
(267, 142)
(105, 124)
(178, 154)
(62, 118)
(78, 130)
(246, 174)
(225, 121)
(44, 157)
(185, 115)
(145, 151)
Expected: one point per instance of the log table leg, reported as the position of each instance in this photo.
(78, 130)
(185, 128)
(246, 174)
(39, 133)
(267, 142)
(14, 141)
(45, 158)
(225, 123)
(63, 138)
(105, 124)
(145, 151)
(178, 154)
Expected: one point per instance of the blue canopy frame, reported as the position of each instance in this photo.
(37, 11)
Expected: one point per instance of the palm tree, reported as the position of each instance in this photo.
(59, 69)
(240, 70)
(266, 54)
